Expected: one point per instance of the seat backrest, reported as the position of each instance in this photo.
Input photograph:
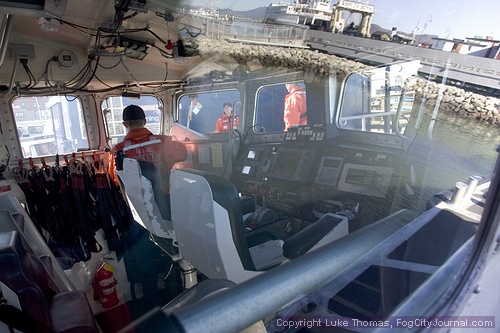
(8, 223)
(14, 217)
(208, 223)
(25, 282)
(141, 184)
(32, 299)
(152, 173)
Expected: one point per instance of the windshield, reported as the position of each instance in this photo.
(377, 123)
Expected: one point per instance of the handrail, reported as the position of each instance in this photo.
(4, 41)
(241, 306)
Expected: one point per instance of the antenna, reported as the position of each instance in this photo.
(493, 30)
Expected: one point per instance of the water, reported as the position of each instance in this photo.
(459, 147)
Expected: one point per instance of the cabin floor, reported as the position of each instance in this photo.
(146, 279)
(116, 318)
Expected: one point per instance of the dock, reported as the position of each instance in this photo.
(480, 75)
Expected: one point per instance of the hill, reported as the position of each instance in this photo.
(376, 27)
(424, 39)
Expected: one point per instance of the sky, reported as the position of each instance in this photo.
(444, 18)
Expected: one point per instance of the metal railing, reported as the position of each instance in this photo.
(249, 31)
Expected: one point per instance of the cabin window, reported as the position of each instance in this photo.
(113, 108)
(375, 101)
(49, 125)
(270, 108)
(201, 112)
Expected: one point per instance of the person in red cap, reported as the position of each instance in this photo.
(227, 119)
(140, 143)
(163, 152)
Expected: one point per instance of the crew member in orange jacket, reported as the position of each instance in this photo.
(295, 106)
(140, 143)
(223, 124)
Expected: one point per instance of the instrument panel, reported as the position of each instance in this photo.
(329, 170)
(297, 177)
(368, 180)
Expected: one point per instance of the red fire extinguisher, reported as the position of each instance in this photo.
(104, 285)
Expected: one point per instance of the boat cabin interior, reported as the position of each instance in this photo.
(360, 210)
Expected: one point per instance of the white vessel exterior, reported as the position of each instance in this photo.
(313, 12)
